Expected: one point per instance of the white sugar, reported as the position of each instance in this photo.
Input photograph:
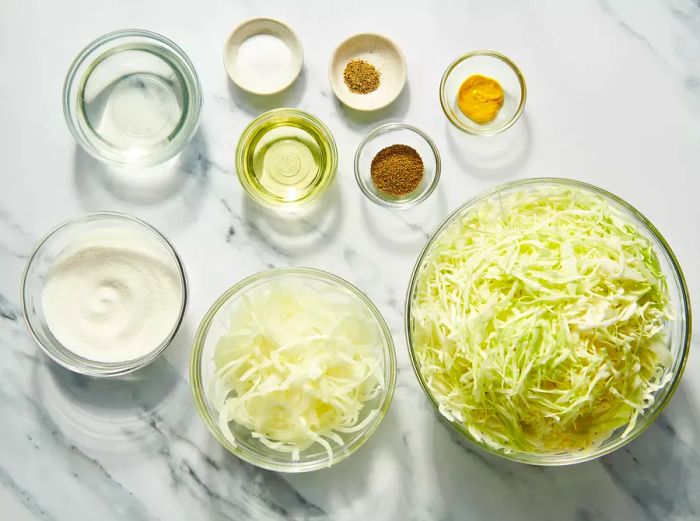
(264, 62)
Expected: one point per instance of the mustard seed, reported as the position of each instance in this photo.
(397, 170)
(361, 77)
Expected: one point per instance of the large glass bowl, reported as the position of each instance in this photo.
(216, 323)
(132, 98)
(678, 333)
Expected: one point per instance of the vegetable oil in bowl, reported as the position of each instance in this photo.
(285, 158)
(287, 165)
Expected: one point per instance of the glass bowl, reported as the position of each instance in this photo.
(393, 134)
(41, 261)
(216, 323)
(494, 65)
(132, 98)
(286, 158)
(678, 330)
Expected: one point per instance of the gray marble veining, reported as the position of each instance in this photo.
(614, 99)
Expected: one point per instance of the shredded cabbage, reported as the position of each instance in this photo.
(297, 366)
(538, 321)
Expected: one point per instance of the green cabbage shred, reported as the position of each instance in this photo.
(538, 321)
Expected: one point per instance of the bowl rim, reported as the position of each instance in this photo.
(402, 60)
(107, 369)
(489, 131)
(297, 55)
(685, 304)
(194, 98)
(404, 203)
(244, 143)
(199, 393)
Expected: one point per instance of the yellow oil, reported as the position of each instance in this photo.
(287, 167)
(286, 157)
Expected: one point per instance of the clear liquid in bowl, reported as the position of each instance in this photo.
(134, 99)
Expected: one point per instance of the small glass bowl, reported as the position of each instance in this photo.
(494, 65)
(679, 329)
(217, 321)
(397, 134)
(132, 98)
(42, 260)
(277, 174)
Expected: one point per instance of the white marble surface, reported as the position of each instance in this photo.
(614, 99)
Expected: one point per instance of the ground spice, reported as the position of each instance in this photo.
(397, 170)
(361, 77)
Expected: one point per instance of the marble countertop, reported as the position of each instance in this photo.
(614, 99)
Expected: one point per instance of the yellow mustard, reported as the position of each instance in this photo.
(480, 98)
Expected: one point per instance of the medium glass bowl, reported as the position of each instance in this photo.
(42, 260)
(286, 158)
(397, 134)
(679, 330)
(216, 322)
(132, 98)
(494, 65)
